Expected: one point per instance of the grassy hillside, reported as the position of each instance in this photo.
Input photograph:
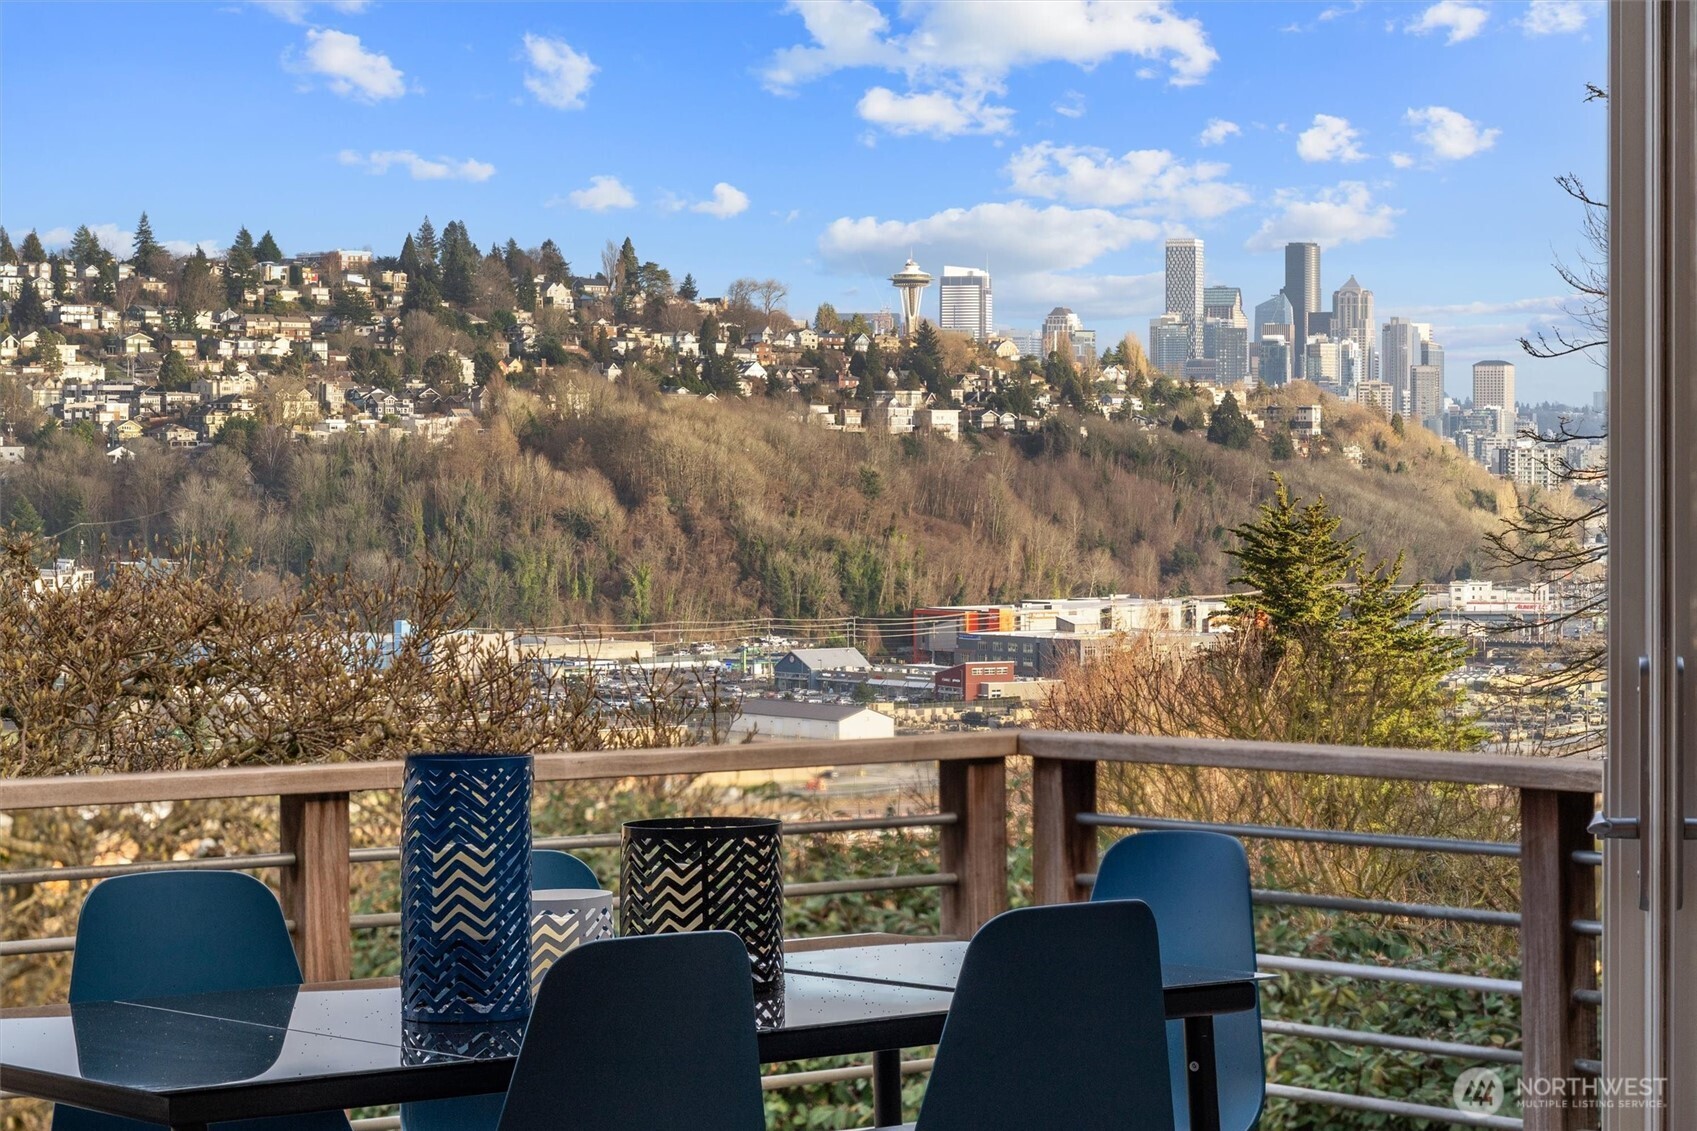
(587, 502)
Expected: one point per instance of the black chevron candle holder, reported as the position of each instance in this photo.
(465, 887)
(711, 874)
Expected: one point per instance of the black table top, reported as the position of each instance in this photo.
(214, 1057)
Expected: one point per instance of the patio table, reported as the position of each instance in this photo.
(190, 1061)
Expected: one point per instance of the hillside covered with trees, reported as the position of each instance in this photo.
(585, 501)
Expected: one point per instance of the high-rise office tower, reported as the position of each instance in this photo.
(1169, 343)
(1276, 311)
(1426, 395)
(1323, 364)
(1399, 353)
(1061, 322)
(966, 302)
(1351, 369)
(1226, 345)
(1225, 303)
(1302, 287)
(1275, 360)
(1184, 287)
(1352, 317)
(1493, 387)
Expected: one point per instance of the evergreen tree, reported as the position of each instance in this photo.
(551, 264)
(197, 290)
(459, 262)
(1397, 424)
(687, 290)
(1062, 376)
(925, 358)
(409, 261)
(8, 253)
(85, 248)
(1228, 427)
(32, 251)
(29, 312)
(267, 250)
(147, 257)
(59, 277)
(23, 517)
(425, 246)
(825, 319)
(1280, 446)
(239, 263)
(106, 286)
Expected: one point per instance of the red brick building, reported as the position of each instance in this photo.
(968, 681)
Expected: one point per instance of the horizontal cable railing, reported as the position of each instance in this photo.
(1558, 911)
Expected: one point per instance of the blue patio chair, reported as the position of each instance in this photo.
(549, 868)
(1197, 884)
(1057, 1021)
(653, 1032)
(162, 934)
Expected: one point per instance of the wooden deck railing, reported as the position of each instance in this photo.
(1557, 922)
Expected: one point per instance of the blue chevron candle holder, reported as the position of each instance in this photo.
(465, 887)
(711, 874)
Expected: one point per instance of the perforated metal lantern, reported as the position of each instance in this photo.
(711, 874)
(563, 918)
(465, 887)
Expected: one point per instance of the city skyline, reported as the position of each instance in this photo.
(1062, 151)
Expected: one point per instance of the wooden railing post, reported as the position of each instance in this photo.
(975, 846)
(1061, 848)
(1555, 960)
(315, 888)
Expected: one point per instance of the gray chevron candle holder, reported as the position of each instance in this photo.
(711, 874)
(563, 918)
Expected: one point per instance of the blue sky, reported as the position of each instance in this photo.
(816, 143)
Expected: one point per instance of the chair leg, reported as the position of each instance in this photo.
(887, 1088)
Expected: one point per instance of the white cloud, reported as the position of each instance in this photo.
(956, 55)
(933, 113)
(1450, 136)
(1559, 17)
(1017, 237)
(1333, 216)
(1151, 180)
(1217, 131)
(1330, 138)
(1402, 160)
(120, 241)
(1552, 305)
(604, 194)
(347, 67)
(380, 161)
(1071, 106)
(1337, 10)
(296, 11)
(728, 201)
(559, 77)
(1457, 17)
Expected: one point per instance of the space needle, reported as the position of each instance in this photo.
(911, 282)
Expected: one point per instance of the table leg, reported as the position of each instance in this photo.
(1200, 1072)
(887, 1088)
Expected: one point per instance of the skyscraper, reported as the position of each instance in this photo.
(1061, 322)
(1227, 345)
(1275, 311)
(1302, 288)
(1169, 343)
(1184, 287)
(1426, 395)
(1493, 387)
(1399, 354)
(1353, 316)
(1225, 303)
(1275, 360)
(966, 304)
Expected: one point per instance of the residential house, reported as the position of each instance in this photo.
(941, 421)
(136, 344)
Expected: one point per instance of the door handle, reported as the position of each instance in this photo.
(1605, 827)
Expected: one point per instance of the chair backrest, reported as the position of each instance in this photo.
(1057, 1021)
(160, 934)
(1197, 884)
(653, 1031)
(551, 868)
